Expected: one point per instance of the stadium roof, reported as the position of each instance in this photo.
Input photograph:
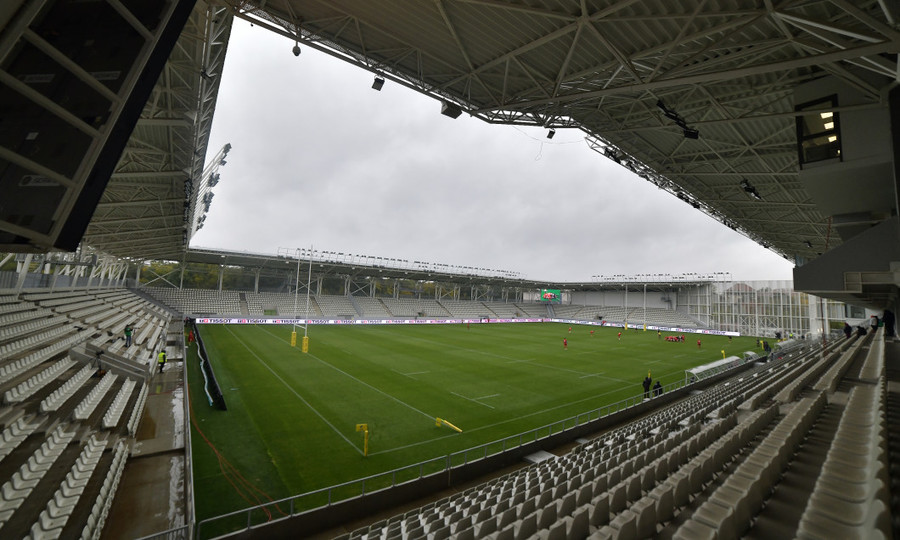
(330, 264)
(698, 98)
(77, 78)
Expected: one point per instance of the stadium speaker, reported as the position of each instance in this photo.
(450, 109)
(690, 133)
(377, 83)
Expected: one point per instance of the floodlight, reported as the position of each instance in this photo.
(296, 49)
(450, 109)
(551, 133)
(377, 83)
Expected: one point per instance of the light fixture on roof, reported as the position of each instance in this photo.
(689, 132)
(377, 83)
(450, 109)
(808, 244)
(750, 190)
(551, 133)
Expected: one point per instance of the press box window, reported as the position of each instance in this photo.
(819, 132)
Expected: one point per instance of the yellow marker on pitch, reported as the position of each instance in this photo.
(365, 429)
(439, 421)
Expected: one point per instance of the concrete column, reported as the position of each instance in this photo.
(23, 271)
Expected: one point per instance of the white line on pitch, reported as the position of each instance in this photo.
(277, 376)
(495, 424)
(472, 400)
(490, 396)
(382, 392)
(559, 368)
(409, 374)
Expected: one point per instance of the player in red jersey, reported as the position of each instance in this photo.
(620, 336)
(698, 343)
(565, 344)
(592, 333)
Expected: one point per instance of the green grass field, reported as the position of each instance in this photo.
(290, 424)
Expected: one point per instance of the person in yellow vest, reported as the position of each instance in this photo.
(161, 360)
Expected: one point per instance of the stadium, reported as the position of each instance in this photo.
(155, 389)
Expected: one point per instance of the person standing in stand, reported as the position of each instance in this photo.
(888, 318)
(647, 382)
(161, 360)
(128, 332)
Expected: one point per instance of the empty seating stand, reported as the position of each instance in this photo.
(52, 400)
(15, 433)
(701, 468)
(25, 389)
(19, 487)
(60, 506)
(851, 498)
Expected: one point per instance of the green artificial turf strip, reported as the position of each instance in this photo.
(290, 424)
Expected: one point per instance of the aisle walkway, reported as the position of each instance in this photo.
(152, 495)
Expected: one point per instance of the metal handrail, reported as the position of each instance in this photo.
(438, 465)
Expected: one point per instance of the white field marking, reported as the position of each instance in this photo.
(472, 400)
(602, 377)
(500, 423)
(313, 409)
(658, 361)
(382, 392)
(558, 368)
(490, 396)
(444, 345)
(521, 361)
(410, 375)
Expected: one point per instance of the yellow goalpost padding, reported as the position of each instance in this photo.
(304, 347)
(294, 338)
(365, 429)
(439, 421)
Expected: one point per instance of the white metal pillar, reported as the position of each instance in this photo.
(23, 271)
(645, 306)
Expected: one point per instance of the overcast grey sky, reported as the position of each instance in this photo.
(321, 159)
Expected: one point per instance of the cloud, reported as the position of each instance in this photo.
(319, 158)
